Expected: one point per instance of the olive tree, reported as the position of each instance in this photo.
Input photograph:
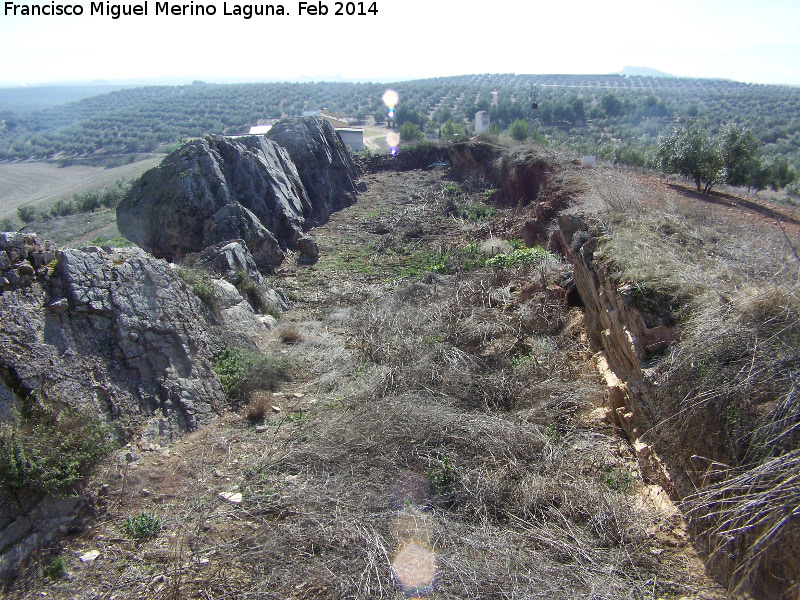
(690, 151)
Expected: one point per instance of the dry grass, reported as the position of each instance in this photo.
(724, 400)
(258, 406)
(444, 412)
(290, 334)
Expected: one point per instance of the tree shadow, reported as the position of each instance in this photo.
(729, 200)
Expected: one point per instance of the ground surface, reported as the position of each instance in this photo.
(40, 183)
(436, 435)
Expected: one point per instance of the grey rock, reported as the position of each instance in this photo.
(309, 251)
(231, 261)
(323, 162)
(167, 209)
(235, 222)
(226, 259)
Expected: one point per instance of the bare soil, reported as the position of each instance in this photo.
(40, 183)
(437, 436)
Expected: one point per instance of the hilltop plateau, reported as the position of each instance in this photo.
(490, 373)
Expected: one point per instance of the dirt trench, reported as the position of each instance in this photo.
(431, 412)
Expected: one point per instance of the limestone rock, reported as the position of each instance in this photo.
(235, 222)
(232, 261)
(309, 251)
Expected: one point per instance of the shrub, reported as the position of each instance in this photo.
(142, 526)
(27, 213)
(62, 208)
(49, 449)
(410, 132)
(241, 372)
(56, 569)
(519, 130)
(290, 335)
(258, 406)
(201, 285)
(250, 291)
(8, 224)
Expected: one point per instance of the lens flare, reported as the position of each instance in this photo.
(391, 113)
(390, 98)
(414, 569)
(393, 140)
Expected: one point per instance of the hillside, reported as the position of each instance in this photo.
(613, 116)
(464, 415)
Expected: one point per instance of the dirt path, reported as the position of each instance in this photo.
(436, 436)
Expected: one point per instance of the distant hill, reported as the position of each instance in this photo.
(29, 98)
(643, 72)
(613, 116)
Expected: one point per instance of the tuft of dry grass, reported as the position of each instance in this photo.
(290, 334)
(258, 406)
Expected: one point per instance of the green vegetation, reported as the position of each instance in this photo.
(49, 448)
(142, 526)
(518, 256)
(442, 477)
(410, 132)
(200, 283)
(519, 130)
(618, 479)
(82, 202)
(56, 568)
(614, 117)
(26, 213)
(118, 241)
(731, 157)
(241, 372)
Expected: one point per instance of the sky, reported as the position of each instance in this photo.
(407, 39)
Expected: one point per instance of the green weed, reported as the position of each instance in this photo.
(241, 372)
(618, 479)
(442, 477)
(142, 526)
(519, 256)
(50, 448)
(56, 568)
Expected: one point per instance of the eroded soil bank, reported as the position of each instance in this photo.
(442, 431)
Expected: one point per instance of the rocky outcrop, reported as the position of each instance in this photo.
(22, 256)
(233, 263)
(624, 337)
(116, 335)
(235, 222)
(182, 205)
(328, 173)
(266, 192)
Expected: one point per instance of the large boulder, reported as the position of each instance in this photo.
(323, 162)
(167, 211)
(116, 336)
(266, 192)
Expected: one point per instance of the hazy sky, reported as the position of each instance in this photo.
(742, 40)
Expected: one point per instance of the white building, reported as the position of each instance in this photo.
(482, 121)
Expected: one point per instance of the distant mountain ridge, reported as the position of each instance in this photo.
(642, 72)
